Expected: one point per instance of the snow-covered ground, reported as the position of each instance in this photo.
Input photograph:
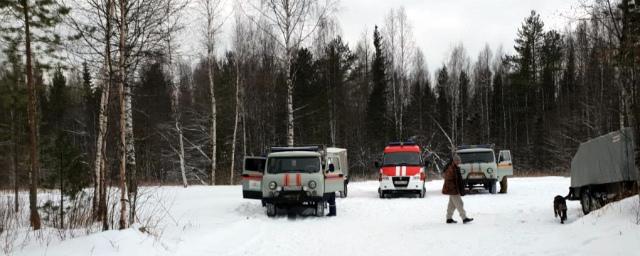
(217, 221)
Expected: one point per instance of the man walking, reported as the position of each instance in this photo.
(454, 188)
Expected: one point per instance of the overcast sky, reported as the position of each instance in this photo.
(439, 24)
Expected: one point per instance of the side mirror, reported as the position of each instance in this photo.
(332, 168)
(377, 164)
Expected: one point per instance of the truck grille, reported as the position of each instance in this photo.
(401, 182)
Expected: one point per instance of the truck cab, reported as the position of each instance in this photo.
(291, 177)
(479, 167)
(401, 170)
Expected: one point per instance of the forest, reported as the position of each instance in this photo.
(96, 94)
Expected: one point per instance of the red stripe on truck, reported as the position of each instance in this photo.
(410, 170)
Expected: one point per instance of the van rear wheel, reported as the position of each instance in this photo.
(493, 187)
(271, 210)
(586, 201)
(343, 193)
(320, 209)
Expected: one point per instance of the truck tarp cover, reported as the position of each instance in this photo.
(605, 159)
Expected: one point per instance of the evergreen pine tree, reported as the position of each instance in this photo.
(377, 121)
(443, 106)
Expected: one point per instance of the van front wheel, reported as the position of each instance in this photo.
(503, 185)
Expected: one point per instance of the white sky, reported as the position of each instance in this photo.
(439, 24)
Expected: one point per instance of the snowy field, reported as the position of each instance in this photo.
(217, 221)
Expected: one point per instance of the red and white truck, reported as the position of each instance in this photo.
(402, 170)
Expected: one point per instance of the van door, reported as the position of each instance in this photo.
(505, 166)
(252, 172)
(333, 181)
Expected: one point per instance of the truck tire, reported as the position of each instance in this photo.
(503, 185)
(272, 210)
(493, 187)
(320, 209)
(586, 202)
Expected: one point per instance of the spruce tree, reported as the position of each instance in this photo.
(443, 106)
(377, 121)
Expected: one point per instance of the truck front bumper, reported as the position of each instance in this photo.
(477, 181)
(292, 197)
(401, 184)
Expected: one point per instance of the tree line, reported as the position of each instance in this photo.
(101, 94)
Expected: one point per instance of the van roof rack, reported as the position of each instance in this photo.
(491, 146)
(402, 143)
(298, 148)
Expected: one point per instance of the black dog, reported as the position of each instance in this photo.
(560, 208)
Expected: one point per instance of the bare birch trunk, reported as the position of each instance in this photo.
(123, 119)
(132, 184)
(176, 119)
(102, 207)
(103, 116)
(211, 9)
(14, 158)
(213, 115)
(32, 112)
(102, 130)
(290, 132)
(175, 107)
(181, 154)
(235, 124)
(244, 130)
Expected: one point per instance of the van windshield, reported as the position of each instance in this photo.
(401, 158)
(294, 164)
(477, 157)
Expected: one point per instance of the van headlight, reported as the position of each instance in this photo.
(273, 185)
(489, 170)
(312, 184)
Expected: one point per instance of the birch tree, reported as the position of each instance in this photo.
(406, 51)
(400, 51)
(242, 36)
(141, 33)
(123, 150)
(100, 190)
(294, 21)
(214, 20)
(171, 27)
(482, 77)
(458, 62)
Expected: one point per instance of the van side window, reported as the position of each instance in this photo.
(336, 163)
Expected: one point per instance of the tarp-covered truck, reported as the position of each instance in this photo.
(603, 170)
